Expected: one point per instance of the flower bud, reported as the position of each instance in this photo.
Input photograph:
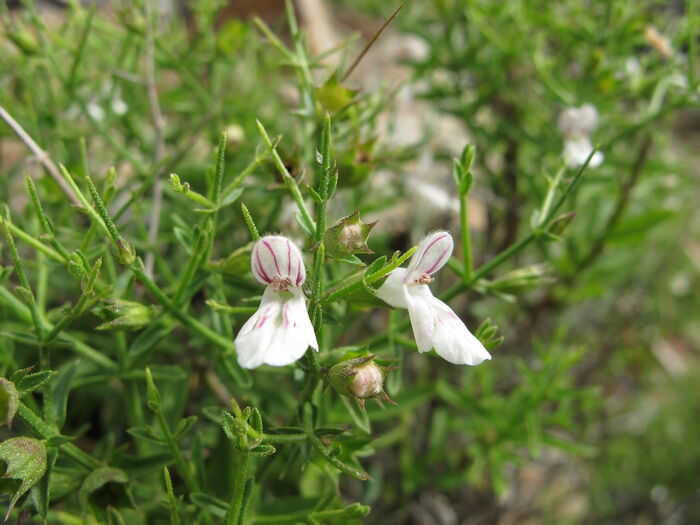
(124, 315)
(277, 261)
(522, 279)
(561, 223)
(26, 461)
(9, 401)
(347, 236)
(24, 40)
(433, 253)
(235, 135)
(125, 252)
(360, 378)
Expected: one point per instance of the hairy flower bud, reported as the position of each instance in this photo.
(347, 236)
(9, 401)
(360, 378)
(121, 314)
(124, 252)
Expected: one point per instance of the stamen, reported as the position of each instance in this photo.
(280, 284)
(424, 279)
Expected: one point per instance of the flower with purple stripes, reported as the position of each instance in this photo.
(434, 323)
(280, 331)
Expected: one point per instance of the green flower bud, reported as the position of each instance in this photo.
(9, 401)
(467, 157)
(125, 252)
(24, 40)
(235, 135)
(124, 315)
(522, 279)
(26, 461)
(333, 97)
(348, 236)
(360, 378)
(561, 223)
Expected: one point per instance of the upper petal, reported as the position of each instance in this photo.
(576, 122)
(432, 254)
(275, 256)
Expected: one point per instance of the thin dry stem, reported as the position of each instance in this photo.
(40, 154)
(370, 43)
(159, 150)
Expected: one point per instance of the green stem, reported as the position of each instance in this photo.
(289, 181)
(83, 200)
(466, 237)
(46, 431)
(235, 183)
(79, 347)
(369, 279)
(27, 293)
(235, 516)
(183, 317)
(182, 466)
(102, 211)
(35, 243)
(692, 17)
(283, 438)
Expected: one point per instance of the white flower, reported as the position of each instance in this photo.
(280, 331)
(576, 126)
(434, 323)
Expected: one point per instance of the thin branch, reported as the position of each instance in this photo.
(371, 43)
(40, 154)
(158, 128)
(621, 203)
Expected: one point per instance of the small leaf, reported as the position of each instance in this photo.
(230, 197)
(209, 503)
(256, 420)
(236, 263)
(61, 390)
(57, 441)
(96, 480)
(146, 434)
(333, 97)
(263, 450)
(32, 382)
(184, 426)
(152, 392)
